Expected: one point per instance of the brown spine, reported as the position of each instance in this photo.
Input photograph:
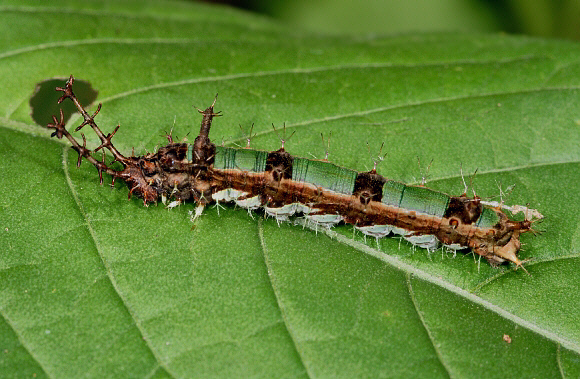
(204, 149)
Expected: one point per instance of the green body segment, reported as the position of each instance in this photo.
(427, 201)
(342, 180)
(324, 174)
(393, 193)
(229, 158)
(424, 200)
(488, 218)
(419, 199)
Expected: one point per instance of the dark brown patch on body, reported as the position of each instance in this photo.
(368, 186)
(463, 209)
(279, 163)
(173, 157)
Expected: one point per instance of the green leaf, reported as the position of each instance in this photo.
(94, 285)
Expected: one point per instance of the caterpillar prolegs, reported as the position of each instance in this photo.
(322, 192)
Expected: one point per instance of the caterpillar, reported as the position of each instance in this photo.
(318, 190)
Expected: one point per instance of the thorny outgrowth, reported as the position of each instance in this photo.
(322, 192)
(149, 176)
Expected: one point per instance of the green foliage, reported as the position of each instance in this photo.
(94, 285)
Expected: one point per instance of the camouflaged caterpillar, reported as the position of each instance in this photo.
(323, 193)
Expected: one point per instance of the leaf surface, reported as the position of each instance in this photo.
(94, 285)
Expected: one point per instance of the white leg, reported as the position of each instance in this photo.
(194, 215)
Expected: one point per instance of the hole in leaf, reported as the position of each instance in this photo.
(43, 103)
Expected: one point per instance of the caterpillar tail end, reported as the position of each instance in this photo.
(507, 252)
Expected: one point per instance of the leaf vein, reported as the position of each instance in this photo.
(425, 326)
(274, 285)
(22, 341)
(407, 268)
(99, 13)
(107, 265)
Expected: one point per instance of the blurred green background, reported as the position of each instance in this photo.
(547, 18)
